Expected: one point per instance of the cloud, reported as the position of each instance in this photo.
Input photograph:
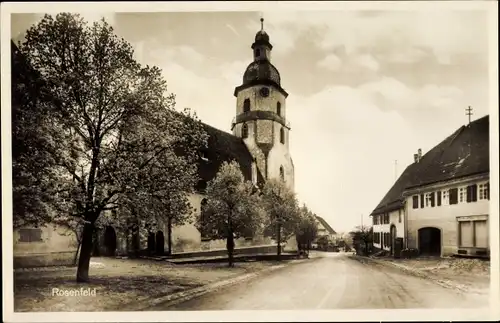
(444, 33)
(331, 62)
(21, 22)
(397, 96)
(343, 150)
(367, 61)
(230, 27)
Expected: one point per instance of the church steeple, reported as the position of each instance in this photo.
(261, 113)
(261, 46)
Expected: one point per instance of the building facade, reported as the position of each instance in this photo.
(440, 203)
(450, 217)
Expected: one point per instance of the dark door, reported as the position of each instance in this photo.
(151, 242)
(393, 238)
(160, 243)
(109, 241)
(429, 241)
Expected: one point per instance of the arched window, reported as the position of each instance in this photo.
(257, 53)
(244, 131)
(282, 135)
(246, 105)
(282, 173)
(278, 108)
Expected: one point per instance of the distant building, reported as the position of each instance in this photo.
(440, 203)
(325, 230)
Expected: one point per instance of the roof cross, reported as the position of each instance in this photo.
(468, 112)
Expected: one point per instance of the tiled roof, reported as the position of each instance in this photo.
(394, 197)
(326, 225)
(464, 153)
(224, 147)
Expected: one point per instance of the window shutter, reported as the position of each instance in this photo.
(432, 199)
(469, 193)
(438, 193)
(488, 190)
(453, 195)
(422, 201)
(415, 201)
(474, 193)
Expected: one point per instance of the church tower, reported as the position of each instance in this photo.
(261, 113)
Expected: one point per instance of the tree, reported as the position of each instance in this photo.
(163, 187)
(118, 121)
(323, 242)
(35, 134)
(363, 234)
(233, 208)
(282, 211)
(307, 229)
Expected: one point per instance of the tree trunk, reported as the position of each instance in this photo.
(230, 249)
(82, 273)
(169, 224)
(230, 241)
(279, 242)
(75, 259)
(135, 243)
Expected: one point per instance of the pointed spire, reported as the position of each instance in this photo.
(261, 24)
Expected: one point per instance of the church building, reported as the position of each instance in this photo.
(259, 143)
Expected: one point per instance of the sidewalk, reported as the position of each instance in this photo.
(125, 284)
(467, 275)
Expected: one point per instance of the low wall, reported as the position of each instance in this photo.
(223, 252)
(44, 260)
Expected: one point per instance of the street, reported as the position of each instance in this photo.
(332, 281)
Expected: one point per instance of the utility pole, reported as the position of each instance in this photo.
(468, 112)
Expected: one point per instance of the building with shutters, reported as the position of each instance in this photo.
(440, 203)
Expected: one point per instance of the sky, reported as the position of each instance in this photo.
(367, 89)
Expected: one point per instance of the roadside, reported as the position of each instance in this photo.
(123, 283)
(465, 274)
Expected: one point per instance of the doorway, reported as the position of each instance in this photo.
(429, 241)
(109, 241)
(160, 243)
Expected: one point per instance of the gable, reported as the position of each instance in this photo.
(325, 225)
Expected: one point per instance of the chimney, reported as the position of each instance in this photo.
(415, 157)
(419, 154)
